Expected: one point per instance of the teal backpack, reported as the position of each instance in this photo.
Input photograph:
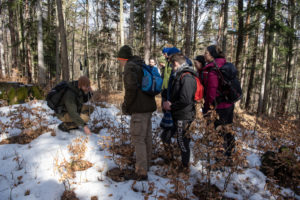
(151, 81)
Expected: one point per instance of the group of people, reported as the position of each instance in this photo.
(178, 101)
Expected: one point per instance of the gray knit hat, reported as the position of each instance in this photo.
(125, 52)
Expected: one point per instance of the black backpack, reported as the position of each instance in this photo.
(229, 89)
(55, 96)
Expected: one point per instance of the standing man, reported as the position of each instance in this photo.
(181, 103)
(140, 106)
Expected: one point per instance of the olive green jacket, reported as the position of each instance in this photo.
(72, 102)
(135, 100)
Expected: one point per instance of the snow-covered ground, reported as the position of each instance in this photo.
(29, 171)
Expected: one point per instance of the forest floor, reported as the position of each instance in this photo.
(38, 161)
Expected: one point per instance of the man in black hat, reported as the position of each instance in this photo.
(140, 106)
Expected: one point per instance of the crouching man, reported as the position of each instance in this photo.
(71, 109)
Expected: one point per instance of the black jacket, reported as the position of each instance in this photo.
(182, 93)
(135, 100)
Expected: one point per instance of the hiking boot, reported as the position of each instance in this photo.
(63, 127)
(136, 177)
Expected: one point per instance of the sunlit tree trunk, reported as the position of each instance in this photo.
(41, 65)
(63, 38)
(224, 42)
(188, 28)
(131, 25)
(148, 20)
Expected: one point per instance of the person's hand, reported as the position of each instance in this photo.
(87, 130)
(167, 105)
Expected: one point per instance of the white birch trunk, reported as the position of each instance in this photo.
(41, 65)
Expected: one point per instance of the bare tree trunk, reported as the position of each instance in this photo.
(175, 25)
(23, 56)
(289, 59)
(269, 55)
(28, 63)
(224, 43)
(240, 39)
(2, 63)
(246, 50)
(57, 57)
(41, 65)
(196, 18)
(13, 34)
(87, 64)
(131, 26)
(155, 29)
(63, 37)
(121, 23)
(73, 46)
(253, 64)
(220, 29)
(188, 28)
(148, 20)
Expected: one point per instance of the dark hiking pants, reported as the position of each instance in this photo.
(226, 117)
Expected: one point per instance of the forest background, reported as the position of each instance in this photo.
(44, 42)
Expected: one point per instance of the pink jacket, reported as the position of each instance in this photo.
(210, 81)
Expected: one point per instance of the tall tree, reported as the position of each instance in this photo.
(13, 33)
(246, 49)
(268, 43)
(148, 20)
(224, 41)
(253, 59)
(86, 56)
(57, 52)
(290, 55)
(41, 65)
(63, 38)
(121, 23)
(196, 18)
(2, 63)
(188, 28)
(240, 39)
(131, 23)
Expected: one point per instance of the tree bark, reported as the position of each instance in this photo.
(269, 55)
(148, 20)
(196, 18)
(42, 79)
(155, 29)
(86, 57)
(2, 62)
(246, 50)
(57, 57)
(240, 39)
(253, 63)
(220, 29)
(188, 28)
(224, 42)
(13, 34)
(121, 23)
(63, 37)
(289, 59)
(131, 25)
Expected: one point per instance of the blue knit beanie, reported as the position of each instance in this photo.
(173, 50)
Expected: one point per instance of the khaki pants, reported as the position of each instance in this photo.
(85, 113)
(141, 136)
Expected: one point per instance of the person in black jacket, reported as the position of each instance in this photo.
(181, 103)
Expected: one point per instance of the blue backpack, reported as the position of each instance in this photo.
(151, 81)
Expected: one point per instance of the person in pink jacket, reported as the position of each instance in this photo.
(214, 57)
